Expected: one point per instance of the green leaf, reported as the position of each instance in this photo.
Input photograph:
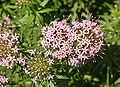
(62, 77)
(117, 85)
(70, 70)
(10, 11)
(34, 36)
(51, 84)
(44, 3)
(28, 36)
(46, 10)
(39, 19)
(27, 19)
(12, 6)
(117, 81)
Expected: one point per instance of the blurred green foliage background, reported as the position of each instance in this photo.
(31, 15)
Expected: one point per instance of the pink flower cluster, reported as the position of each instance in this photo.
(5, 23)
(76, 41)
(3, 80)
(89, 41)
(8, 50)
(58, 37)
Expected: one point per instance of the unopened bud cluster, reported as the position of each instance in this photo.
(21, 3)
(39, 66)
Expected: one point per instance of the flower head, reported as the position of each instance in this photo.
(8, 49)
(39, 66)
(58, 37)
(3, 80)
(74, 41)
(88, 42)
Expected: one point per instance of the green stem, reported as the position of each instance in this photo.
(107, 77)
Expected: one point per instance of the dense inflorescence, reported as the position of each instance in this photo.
(5, 23)
(58, 37)
(88, 42)
(75, 41)
(3, 80)
(8, 50)
(39, 67)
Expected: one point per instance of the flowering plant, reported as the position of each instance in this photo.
(57, 43)
(78, 42)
